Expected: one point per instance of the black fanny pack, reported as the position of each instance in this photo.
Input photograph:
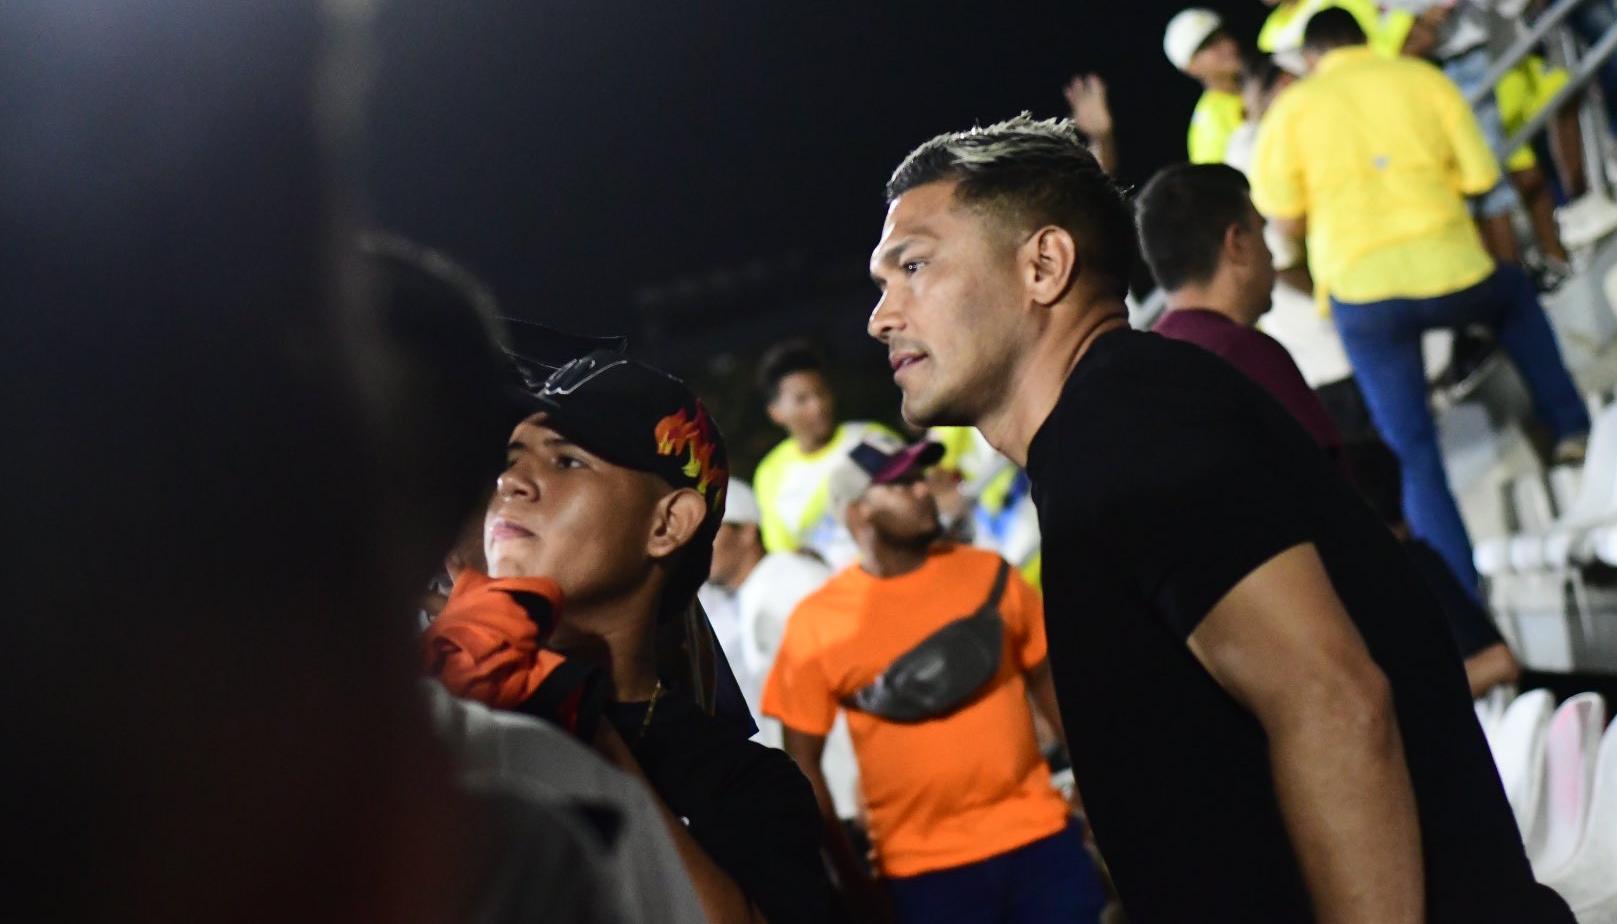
(945, 670)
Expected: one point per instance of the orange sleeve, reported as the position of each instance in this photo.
(797, 691)
(1024, 616)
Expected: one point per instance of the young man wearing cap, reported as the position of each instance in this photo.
(1273, 723)
(614, 491)
(790, 480)
(1198, 45)
(966, 824)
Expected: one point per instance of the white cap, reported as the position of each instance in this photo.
(1186, 33)
(740, 504)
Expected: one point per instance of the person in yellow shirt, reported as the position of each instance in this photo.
(790, 481)
(1371, 158)
(1198, 45)
(1390, 33)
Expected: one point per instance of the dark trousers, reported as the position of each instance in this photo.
(1383, 341)
(1048, 881)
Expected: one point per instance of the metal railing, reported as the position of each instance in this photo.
(1583, 70)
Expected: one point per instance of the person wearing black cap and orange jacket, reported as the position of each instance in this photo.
(613, 492)
(933, 650)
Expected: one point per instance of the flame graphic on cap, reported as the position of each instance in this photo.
(679, 433)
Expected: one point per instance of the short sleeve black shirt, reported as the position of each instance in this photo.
(1162, 477)
(748, 806)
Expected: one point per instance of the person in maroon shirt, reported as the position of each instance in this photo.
(1203, 240)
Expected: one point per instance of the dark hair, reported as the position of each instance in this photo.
(1183, 214)
(1261, 69)
(1379, 478)
(782, 360)
(1331, 28)
(1034, 173)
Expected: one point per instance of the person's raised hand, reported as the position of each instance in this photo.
(1086, 95)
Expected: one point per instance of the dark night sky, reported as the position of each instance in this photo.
(574, 153)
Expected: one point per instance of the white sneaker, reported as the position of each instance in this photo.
(1586, 220)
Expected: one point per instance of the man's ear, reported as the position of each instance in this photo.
(854, 516)
(1050, 261)
(1236, 246)
(675, 520)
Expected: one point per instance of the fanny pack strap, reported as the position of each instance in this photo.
(997, 593)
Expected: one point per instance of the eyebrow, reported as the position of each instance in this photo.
(894, 254)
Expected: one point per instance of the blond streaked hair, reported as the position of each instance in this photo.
(1031, 173)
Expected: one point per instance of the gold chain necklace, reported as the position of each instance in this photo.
(651, 707)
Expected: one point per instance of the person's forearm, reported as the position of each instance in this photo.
(1042, 686)
(1345, 794)
(1104, 147)
(1491, 667)
(1297, 277)
(844, 859)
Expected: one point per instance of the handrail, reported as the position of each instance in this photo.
(1587, 66)
(1520, 49)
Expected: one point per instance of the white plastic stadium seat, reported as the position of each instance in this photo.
(1568, 541)
(1518, 752)
(1530, 501)
(1565, 482)
(1491, 708)
(1588, 881)
(1570, 746)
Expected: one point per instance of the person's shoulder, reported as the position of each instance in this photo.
(790, 566)
(775, 458)
(770, 773)
(834, 589)
(854, 430)
(497, 744)
(954, 555)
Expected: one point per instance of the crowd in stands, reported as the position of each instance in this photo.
(1214, 572)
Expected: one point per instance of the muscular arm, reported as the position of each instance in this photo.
(1281, 643)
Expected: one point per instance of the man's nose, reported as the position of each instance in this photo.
(884, 318)
(513, 484)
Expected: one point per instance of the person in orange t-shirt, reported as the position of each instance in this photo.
(964, 819)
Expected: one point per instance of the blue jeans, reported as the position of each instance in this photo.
(1383, 341)
(1048, 881)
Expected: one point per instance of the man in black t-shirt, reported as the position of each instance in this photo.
(1268, 719)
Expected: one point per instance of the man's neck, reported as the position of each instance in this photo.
(620, 634)
(1036, 387)
(1223, 84)
(1218, 295)
(809, 445)
(889, 560)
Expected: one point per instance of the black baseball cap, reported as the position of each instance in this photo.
(538, 350)
(638, 417)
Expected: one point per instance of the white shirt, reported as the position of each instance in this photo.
(518, 754)
(759, 610)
